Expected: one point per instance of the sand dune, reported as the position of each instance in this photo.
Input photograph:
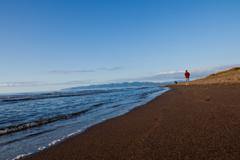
(229, 76)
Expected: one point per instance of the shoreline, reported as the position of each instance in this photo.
(25, 156)
(173, 125)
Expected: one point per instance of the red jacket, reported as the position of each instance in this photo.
(187, 75)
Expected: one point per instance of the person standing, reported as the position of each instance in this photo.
(187, 74)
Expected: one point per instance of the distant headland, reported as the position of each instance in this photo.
(116, 85)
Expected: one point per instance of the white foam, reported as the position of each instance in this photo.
(63, 138)
(58, 140)
(54, 142)
(3, 132)
(69, 135)
(41, 148)
(21, 156)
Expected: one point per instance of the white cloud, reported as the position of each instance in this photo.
(25, 84)
(73, 82)
(172, 72)
(12, 84)
(110, 69)
(114, 68)
(79, 71)
(67, 71)
(102, 68)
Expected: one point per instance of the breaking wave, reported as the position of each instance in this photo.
(24, 126)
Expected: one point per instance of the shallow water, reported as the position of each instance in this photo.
(35, 121)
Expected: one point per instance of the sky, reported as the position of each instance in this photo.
(49, 45)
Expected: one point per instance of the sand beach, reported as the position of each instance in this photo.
(198, 121)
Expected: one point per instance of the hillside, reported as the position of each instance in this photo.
(231, 71)
(116, 85)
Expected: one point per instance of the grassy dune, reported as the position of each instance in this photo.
(228, 76)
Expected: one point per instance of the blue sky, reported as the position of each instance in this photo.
(53, 44)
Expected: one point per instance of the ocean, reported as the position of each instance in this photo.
(31, 122)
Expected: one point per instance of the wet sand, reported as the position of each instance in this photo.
(187, 122)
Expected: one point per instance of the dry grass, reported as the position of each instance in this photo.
(223, 73)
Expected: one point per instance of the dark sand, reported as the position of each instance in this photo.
(188, 122)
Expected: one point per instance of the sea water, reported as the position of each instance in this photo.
(32, 122)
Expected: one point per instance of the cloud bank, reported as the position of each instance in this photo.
(22, 84)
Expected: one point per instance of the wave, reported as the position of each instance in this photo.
(20, 98)
(18, 140)
(47, 96)
(23, 126)
(60, 94)
(97, 105)
(146, 94)
(11, 129)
